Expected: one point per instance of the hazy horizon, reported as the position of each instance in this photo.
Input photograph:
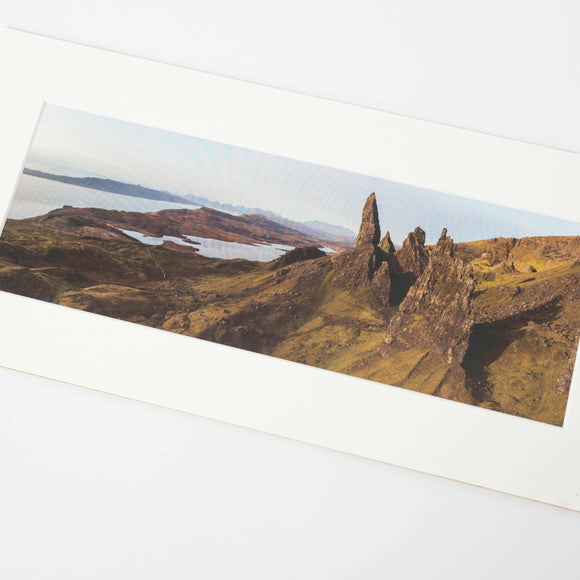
(79, 144)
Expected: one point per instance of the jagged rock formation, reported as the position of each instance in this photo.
(436, 314)
(363, 267)
(369, 264)
(445, 241)
(407, 264)
(377, 265)
(387, 245)
(370, 229)
(413, 257)
(420, 235)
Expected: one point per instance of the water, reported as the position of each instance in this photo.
(229, 250)
(36, 196)
(211, 248)
(153, 241)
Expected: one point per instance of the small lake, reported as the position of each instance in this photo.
(36, 196)
(211, 248)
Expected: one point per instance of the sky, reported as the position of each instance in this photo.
(80, 144)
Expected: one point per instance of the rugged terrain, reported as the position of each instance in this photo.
(493, 323)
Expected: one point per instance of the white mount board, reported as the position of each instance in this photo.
(452, 440)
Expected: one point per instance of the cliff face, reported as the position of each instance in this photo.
(436, 314)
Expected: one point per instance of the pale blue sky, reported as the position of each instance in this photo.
(80, 144)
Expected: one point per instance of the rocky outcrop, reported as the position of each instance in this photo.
(370, 229)
(553, 248)
(413, 257)
(445, 241)
(363, 267)
(368, 265)
(382, 283)
(377, 265)
(510, 301)
(436, 313)
(493, 251)
(298, 255)
(387, 245)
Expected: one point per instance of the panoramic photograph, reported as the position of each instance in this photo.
(448, 296)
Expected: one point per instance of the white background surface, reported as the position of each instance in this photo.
(94, 486)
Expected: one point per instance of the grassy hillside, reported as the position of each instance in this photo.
(525, 306)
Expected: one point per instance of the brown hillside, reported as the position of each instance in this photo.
(493, 323)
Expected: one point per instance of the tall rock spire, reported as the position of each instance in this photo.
(370, 229)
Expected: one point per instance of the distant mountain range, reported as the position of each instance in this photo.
(321, 230)
(318, 229)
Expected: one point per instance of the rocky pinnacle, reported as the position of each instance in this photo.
(420, 235)
(413, 257)
(370, 229)
(444, 244)
(387, 244)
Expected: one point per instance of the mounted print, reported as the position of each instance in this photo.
(288, 259)
(387, 287)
